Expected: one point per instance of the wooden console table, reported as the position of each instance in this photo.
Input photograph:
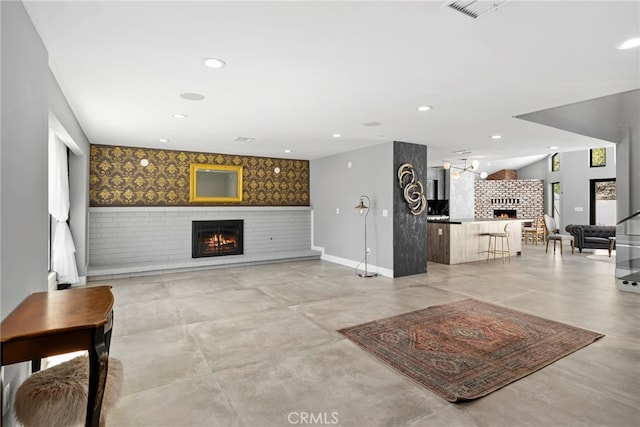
(50, 323)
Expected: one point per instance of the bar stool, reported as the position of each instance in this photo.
(503, 236)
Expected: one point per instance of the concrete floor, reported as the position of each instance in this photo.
(257, 346)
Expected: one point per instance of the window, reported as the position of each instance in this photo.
(555, 202)
(598, 157)
(555, 162)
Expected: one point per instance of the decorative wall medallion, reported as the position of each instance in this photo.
(412, 189)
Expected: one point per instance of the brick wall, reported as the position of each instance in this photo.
(503, 174)
(525, 196)
(141, 236)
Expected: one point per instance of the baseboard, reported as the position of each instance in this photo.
(353, 264)
(52, 282)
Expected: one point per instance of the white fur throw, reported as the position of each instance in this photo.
(57, 397)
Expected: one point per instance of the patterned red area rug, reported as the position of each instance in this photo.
(468, 349)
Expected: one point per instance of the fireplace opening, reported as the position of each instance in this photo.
(504, 213)
(216, 238)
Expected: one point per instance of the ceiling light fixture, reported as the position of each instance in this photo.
(424, 108)
(455, 173)
(287, 151)
(552, 147)
(214, 63)
(180, 116)
(337, 135)
(163, 140)
(629, 44)
(496, 136)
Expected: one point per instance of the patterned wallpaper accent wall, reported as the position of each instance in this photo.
(118, 179)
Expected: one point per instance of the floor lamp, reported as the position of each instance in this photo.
(364, 210)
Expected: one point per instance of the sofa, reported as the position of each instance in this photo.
(592, 236)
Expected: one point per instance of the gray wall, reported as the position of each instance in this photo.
(64, 123)
(614, 118)
(628, 165)
(23, 171)
(574, 177)
(461, 195)
(333, 185)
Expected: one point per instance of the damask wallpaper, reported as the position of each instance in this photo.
(118, 179)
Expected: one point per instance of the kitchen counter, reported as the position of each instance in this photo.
(455, 241)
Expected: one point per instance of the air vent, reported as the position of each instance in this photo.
(244, 139)
(462, 152)
(476, 8)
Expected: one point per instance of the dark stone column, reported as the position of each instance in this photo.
(409, 231)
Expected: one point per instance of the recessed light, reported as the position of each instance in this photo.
(629, 44)
(552, 147)
(190, 96)
(424, 108)
(337, 135)
(214, 63)
(462, 152)
(496, 136)
(163, 140)
(179, 116)
(287, 151)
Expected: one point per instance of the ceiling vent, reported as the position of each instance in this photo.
(476, 8)
(244, 139)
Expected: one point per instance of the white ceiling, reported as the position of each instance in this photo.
(299, 72)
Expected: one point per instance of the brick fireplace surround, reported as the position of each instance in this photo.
(525, 196)
(133, 241)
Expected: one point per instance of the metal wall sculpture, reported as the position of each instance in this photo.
(412, 189)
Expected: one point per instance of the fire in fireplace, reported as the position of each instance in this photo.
(216, 238)
(505, 213)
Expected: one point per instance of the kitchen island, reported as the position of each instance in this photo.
(455, 241)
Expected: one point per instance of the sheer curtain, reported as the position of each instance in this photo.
(63, 260)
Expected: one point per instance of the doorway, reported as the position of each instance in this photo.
(602, 201)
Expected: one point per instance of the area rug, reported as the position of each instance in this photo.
(468, 349)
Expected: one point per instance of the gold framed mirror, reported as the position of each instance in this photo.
(215, 183)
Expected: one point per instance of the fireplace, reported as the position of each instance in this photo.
(216, 238)
(504, 213)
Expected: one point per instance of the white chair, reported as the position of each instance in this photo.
(503, 236)
(554, 234)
